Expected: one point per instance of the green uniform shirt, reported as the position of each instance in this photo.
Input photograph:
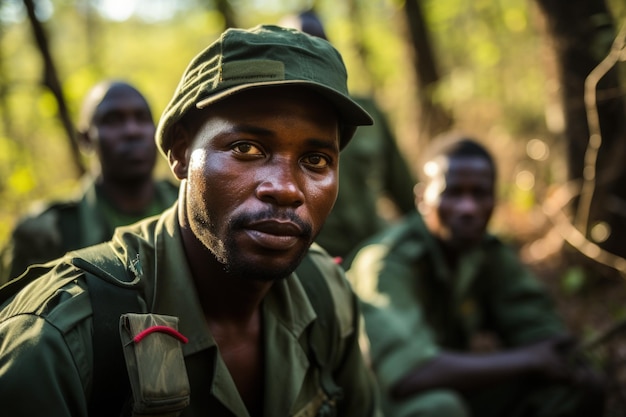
(65, 226)
(416, 305)
(46, 349)
(371, 167)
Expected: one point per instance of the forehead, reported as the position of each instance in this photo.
(474, 164)
(121, 98)
(443, 165)
(468, 169)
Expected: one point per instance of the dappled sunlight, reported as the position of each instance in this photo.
(147, 10)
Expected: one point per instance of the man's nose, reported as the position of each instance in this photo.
(134, 127)
(467, 205)
(281, 184)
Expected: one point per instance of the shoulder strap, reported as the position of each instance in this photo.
(321, 347)
(108, 355)
(110, 381)
(12, 287)
(107, 398)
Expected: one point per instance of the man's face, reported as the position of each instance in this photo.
(122, 131)
(261, 178)
(458, 200)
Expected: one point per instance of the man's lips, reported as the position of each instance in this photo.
(274, 234)
(469, 230)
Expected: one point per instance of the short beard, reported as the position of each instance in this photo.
(253, 271)
(225, 251)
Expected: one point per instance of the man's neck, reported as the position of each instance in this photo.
(225, 297)
(128, 196)
(450, 253)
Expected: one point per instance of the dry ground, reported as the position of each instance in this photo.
(590, 297)
(596, 307)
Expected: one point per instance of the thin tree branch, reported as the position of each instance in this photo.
(51, 81)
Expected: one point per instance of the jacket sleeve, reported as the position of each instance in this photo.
(350, 369)
(399, 337)
(45, 347)
(520, 307)
(39, 374)
(399, 179)
(360, 391)
(34, 240)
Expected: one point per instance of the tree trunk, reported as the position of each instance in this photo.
(581, 33)
(433, 118)
(358, 35)
(5, 109)
(92, 33)
(226, 9)
(51, 81)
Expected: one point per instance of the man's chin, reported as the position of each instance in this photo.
(255, 273)
(466, 243)
(259, 270)
(261, 265)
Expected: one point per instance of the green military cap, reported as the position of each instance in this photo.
(261, 57)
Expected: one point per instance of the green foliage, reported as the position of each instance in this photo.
(573, 280)
(489, 54)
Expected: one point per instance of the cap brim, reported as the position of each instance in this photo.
(350, 113)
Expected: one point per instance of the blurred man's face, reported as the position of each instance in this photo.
(458, 200)
(122, 132)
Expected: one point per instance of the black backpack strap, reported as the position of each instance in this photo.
(324, 331)
(111, 385)
(110, 382)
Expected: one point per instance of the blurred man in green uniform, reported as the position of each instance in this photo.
(437, 284)
(253, 132)
(116, 122)
(372, 168)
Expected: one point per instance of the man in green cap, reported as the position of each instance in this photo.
(436, 285)
(116, 123)
(223, 325)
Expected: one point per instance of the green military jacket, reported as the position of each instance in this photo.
(46, 351)
(64, 226)
(415, 305)
(372, 167)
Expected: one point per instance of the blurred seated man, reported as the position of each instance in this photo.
(372, 168)
(436, 284)
(116, 122)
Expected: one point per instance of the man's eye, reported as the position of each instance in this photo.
(316, 161)
(482, 193)
(143, 117)
(112, 119)
(452, 192)
(246, 149)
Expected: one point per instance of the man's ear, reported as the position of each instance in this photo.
(85, 142)
(418, 192)
(178, 155)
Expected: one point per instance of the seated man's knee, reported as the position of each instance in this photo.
(435, 403)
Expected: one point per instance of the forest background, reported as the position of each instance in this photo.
(541, 82)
